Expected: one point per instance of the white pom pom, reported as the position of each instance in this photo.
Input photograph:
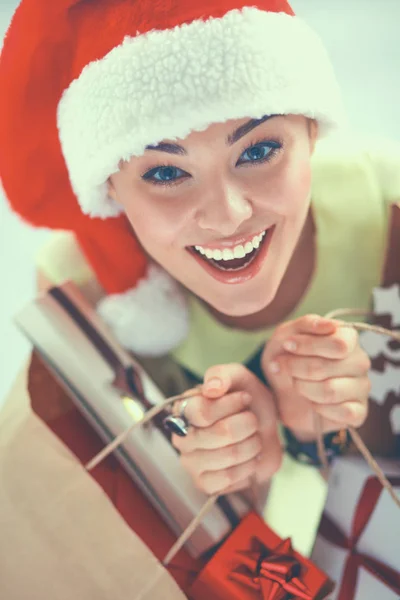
(151, 319)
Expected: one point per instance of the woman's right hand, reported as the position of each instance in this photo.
(234, 432)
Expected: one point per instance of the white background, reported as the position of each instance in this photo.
(363, 39)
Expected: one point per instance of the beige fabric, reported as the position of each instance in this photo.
(61, 538)
(60, 259)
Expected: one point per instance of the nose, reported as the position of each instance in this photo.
(224, 209)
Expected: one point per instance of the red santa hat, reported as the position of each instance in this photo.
(86, 84)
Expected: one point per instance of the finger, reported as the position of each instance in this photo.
(349, 414)
(203, 412)
(335, 390)
(314, 324)
(244, 484)
(237, 377)
(216, 482)
(337, 345)
(312, 368)
(307, 325)
(270, 461)
(222, 458)
(231, 430)
(220, 379)
(279, 374)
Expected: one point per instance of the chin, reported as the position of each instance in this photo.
(243, 304)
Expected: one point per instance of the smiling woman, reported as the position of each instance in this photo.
(180, 145)
(224, 187)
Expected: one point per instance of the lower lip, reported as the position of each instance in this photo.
(241, 275)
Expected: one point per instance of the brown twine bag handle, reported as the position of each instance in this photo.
(362, 448)
(107, 450)
(153, 412)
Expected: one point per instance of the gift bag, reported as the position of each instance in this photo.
(52, 404)
(61, 538)
(358, 542)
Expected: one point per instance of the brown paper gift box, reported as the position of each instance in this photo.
(61, 536)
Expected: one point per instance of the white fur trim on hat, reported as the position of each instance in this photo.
(165, 84)
(152, 319)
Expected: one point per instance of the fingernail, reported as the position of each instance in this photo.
(321, 322)
(246, 399)
(274, 367)
(290, 346)
(316, 323)
(213, 384)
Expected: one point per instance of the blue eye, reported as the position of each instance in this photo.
(259, 153)
(165, 175)
(168, 175)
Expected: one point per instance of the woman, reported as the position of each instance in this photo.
(188, 135)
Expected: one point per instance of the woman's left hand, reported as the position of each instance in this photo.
(317, 365)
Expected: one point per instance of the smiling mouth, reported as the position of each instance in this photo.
(234, 259)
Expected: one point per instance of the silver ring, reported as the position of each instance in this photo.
(182, 407)
(177, 422)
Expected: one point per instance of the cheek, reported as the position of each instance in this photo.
(155, 223)
(289, 190)
(303, 177)
(300, 186)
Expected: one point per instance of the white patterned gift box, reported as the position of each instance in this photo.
(358, 541)
(385, 355)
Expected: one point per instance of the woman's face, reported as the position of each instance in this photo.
(223, 209)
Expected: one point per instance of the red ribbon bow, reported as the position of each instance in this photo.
(275, 573)
(330, 531)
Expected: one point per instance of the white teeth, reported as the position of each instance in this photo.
(217, 255)
(239, 251)
(227, 254)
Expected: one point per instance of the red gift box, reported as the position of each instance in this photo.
(256, 564)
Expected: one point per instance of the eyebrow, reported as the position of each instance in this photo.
(230, 140)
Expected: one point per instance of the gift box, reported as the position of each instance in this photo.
(385, 372)
(358, 542)
(256, 564)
